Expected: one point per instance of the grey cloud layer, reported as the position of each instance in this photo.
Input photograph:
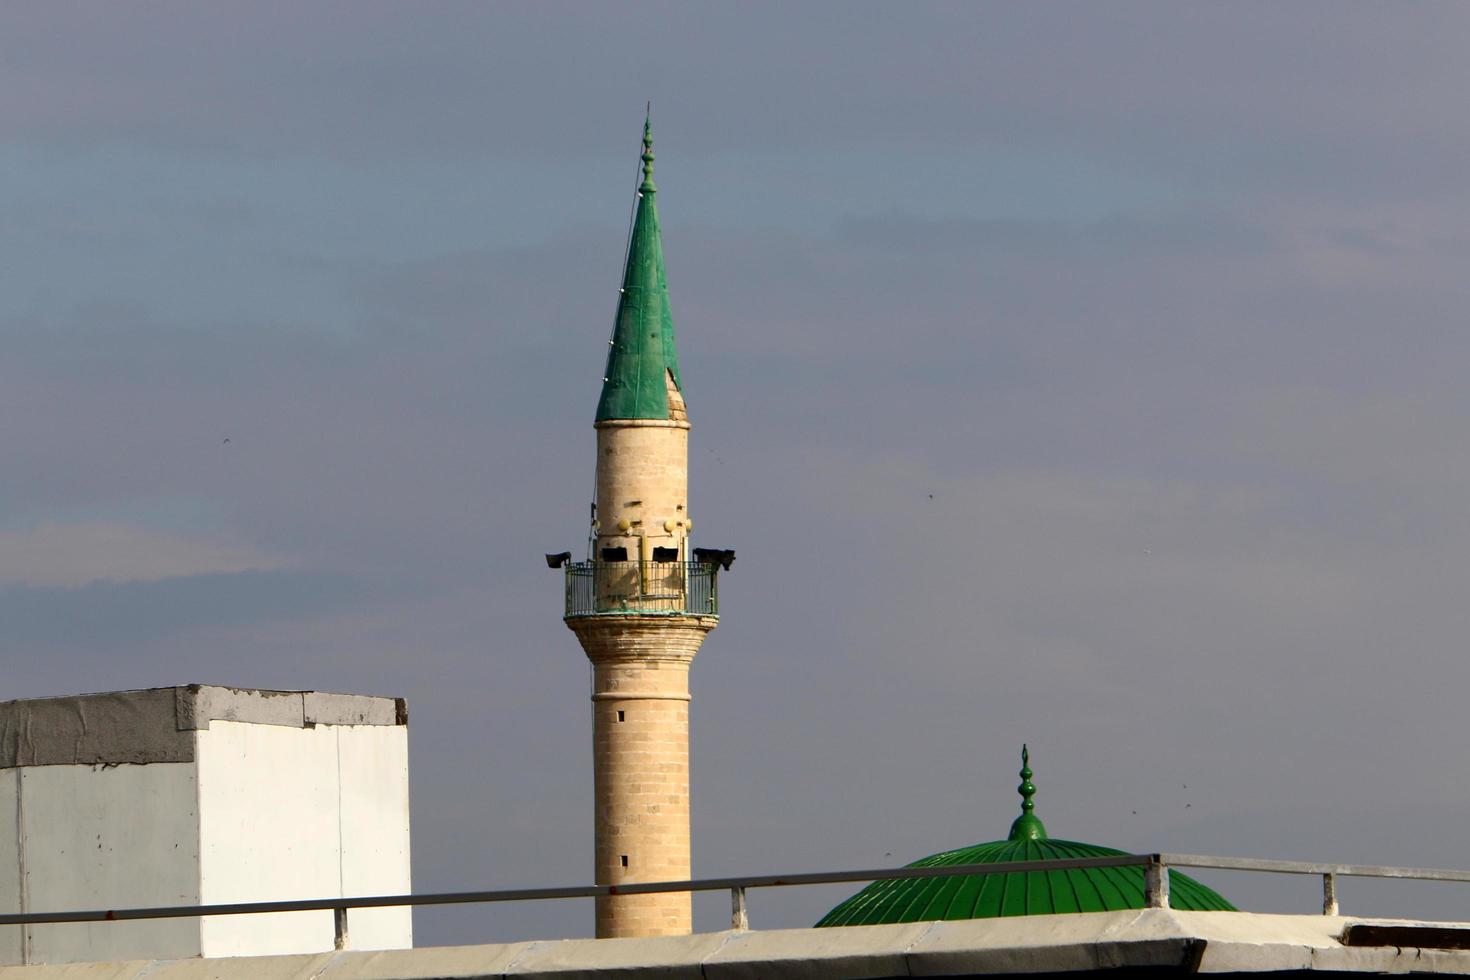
(1162, 305)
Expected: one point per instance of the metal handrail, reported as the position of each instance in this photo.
(1156, 887)
(681, 588)
(1312, 868)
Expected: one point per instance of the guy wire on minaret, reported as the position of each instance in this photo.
(632, 217)
(627, 245)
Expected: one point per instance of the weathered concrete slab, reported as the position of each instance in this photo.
(1248, 942)
(859, 951)
(200, 704)
(430, 963)
(1258, 928)
(123, 970)
(92, 729)
(157, 724)
(1053, 943)
(1391, 959)
(661, 958)
(300, 967)
(349, 709)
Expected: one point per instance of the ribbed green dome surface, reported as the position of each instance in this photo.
(985, 896)
(1016, 893)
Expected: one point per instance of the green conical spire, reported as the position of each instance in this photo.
(642, 356)
(1028, 826)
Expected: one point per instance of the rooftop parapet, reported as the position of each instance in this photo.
(158, 724)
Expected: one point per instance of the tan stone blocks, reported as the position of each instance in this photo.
(640, 745)
(642, 478)
(644, 915)
(640, 739)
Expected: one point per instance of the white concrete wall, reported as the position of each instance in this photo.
(10, 893)
(291, 813)
(263, 812)
(268, 826)
(373, 769)
(106, 837)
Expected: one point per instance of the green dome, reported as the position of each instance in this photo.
(985, 896)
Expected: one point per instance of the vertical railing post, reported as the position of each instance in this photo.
(1155, 883)
(739, 919)
(339, 927)
(1329, 894)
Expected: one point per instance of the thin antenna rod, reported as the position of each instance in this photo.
(628, 236)
(613, 332)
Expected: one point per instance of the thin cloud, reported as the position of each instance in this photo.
(73, 555)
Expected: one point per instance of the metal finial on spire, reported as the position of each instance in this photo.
(1028, 826)
(1027, 789)
(647, 184)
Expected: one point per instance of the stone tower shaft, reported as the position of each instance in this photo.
(643, 489)
(640, 606)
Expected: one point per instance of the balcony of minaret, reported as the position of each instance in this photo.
(642, 588)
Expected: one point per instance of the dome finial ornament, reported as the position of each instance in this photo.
(647, 185)
(1028, 826)
(1027, 789)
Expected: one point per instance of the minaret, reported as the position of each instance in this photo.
(642, 604)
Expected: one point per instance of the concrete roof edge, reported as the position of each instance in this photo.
(1206, 941)
(200, 704)
(154, 725)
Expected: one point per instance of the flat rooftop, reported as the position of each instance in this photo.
(156, 724)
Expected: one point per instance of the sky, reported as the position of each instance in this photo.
(1087, 375)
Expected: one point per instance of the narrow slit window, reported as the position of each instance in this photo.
(620, 716)
(624, 859)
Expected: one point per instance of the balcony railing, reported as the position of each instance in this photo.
(674, 588)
